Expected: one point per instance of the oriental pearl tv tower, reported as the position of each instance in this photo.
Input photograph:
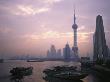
(75, 47)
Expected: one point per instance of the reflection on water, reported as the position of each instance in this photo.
(51, 79)
(38, 67)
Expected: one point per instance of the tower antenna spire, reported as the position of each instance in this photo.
(74, 16)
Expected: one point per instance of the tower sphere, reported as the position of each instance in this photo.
(74, 26)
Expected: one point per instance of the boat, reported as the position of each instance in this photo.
(34, 60)
(58, 69)
(1, 60)
(65, 72)
(21, 71)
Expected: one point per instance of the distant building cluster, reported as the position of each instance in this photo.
(53, 53)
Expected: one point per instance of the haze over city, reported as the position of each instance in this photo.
(32, 26)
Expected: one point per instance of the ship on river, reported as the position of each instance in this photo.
(65, 72)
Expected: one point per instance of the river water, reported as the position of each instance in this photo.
(38, 67)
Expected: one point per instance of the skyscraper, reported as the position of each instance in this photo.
(74, 27)
(58, 55)
(100, 47)
(66, 51)
(48, 54)
(53, 51)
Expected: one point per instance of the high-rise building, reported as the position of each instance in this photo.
(66, 51)
(53, 51)
(99, 41)
(75, 46)
(63, 52)
(48, 54)
(59, 53)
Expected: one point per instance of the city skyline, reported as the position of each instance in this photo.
(30, 27)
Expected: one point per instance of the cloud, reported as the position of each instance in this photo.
(5, 30)
(82, 36)
(25, 10)
(45, 35)
(32, 10)
(50, 1)
(84, 17)
(81, 28)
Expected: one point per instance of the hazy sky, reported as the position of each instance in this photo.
(31, 26)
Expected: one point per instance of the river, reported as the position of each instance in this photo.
(38, 67)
